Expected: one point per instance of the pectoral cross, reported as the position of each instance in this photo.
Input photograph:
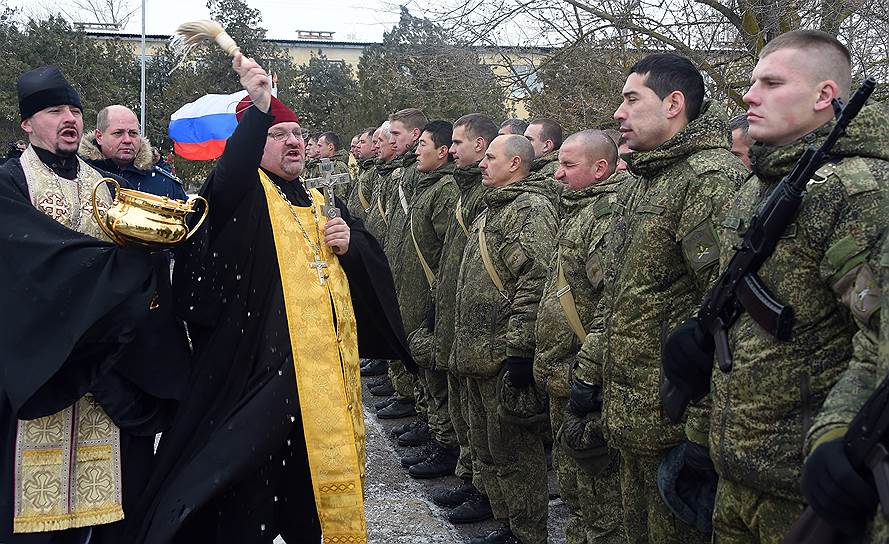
(319, 265)
(326, 183)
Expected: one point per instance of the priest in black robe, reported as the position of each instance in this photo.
(92, 358)
(271, 433)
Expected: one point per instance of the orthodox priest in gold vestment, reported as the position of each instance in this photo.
(280, 300)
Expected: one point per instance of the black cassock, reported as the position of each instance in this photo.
(233, 468)
(75, 318)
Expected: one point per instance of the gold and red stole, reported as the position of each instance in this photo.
(325, 357)
(67, 465)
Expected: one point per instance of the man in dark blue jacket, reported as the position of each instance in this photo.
(118, 148)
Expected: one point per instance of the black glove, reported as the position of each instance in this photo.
(519, 371)
(584, 398)
(687, 363)
(836, 491)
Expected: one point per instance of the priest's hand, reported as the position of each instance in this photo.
(255, 81)
(337, 235)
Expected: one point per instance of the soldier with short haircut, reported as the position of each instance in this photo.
(587, 163)
(825, 266)
(312, 155)
(545, 136)
(499, 286)
(405, 128)
(472, 135)
(661, 256)
(330, 147)
(741, 140)
(377, 222)
(362, 190)
(513, 126)
(430, 211)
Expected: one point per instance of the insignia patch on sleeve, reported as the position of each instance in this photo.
(700, 247)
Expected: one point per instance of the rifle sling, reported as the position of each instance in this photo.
(486, 256)
(430, 275)
(566, 299)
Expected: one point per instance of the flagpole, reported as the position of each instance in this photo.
(142, 94)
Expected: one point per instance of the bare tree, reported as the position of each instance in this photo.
(723, 37)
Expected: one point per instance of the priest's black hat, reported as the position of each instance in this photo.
(44, 87)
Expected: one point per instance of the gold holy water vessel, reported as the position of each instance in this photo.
(142, 219)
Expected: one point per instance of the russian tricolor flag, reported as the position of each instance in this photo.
(199, 129)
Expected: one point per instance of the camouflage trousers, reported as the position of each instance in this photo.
(594, 504)
(402, 380)
(511, 463)
(744, 514)
(439, 419)
(458, 405)
(646, 518)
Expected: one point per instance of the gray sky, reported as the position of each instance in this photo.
(352, 20)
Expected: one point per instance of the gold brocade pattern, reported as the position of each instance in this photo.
(67, 470)
(325, 357)
(67, 465)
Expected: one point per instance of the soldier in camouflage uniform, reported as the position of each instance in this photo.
(405, 127)
(385, 163)
(498, 290)
(472, 135)
(545, 136)
(660, 259)
(587, 162)
(430, 211)
(311, 156)
(330, 147)
(853, 503)
(513, 126)
(824, 266)
(362, 190)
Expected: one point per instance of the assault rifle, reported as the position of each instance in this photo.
(739, 288)
(865, 446)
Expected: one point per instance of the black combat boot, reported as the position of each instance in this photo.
(377, 380)
(401, 429)
(500, 536)
(417, 436)
(410, 460)
(454, 496)
(376, 367)
(442, 462)
(397, 410)
(476, 508)
(384, 389)
(383, 403)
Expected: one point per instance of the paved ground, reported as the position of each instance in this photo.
(398, 507)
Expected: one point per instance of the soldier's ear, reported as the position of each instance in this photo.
(98, 134)
(674, 104)
(480, 144)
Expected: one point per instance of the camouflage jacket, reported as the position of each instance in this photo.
(432, 205)
(400, 192)
(546, 165)
(311, 170)
(520, 227)
(580, 242)
(661, 256)
(377, 220)
(340, 161)
(359, 202)
(763, 408)
(471, 200)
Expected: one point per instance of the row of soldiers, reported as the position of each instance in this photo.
(550, 296)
